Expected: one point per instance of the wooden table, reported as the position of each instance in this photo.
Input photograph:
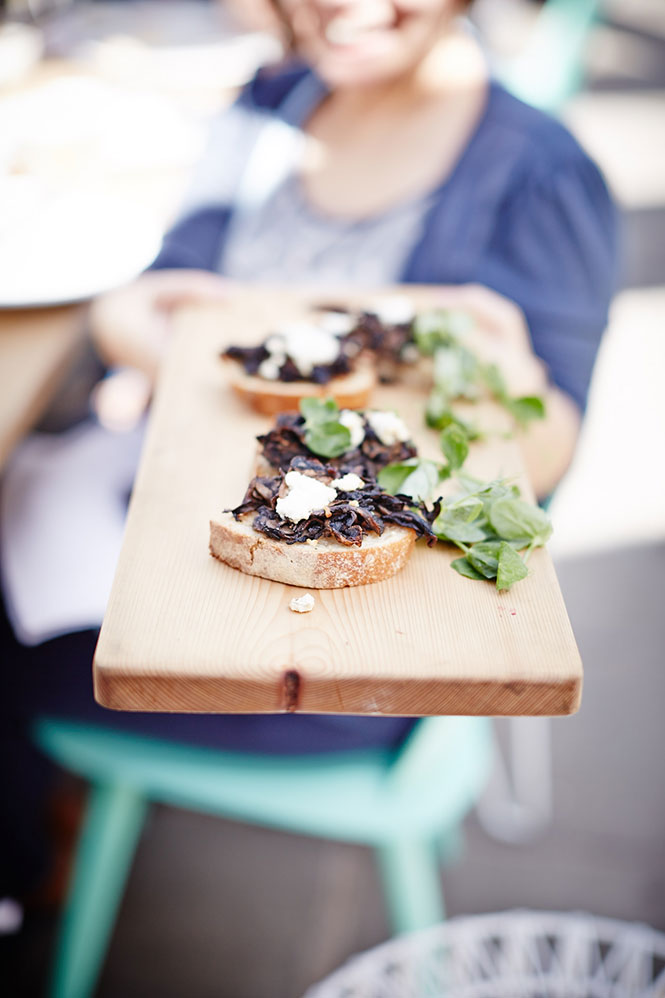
(184, 632)
(36, 347)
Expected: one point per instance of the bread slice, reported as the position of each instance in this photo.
(351, 391)
(321, 564)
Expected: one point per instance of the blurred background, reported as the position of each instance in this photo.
(211, 905)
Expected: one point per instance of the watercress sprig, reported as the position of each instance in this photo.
(491, 525)
(488, 522)
(460, 374)
(523, 408)
(419, 477)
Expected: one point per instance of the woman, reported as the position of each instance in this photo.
(398, 160)
(385, 155)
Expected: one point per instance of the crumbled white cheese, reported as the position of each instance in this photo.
(306, 344)
(269, 368)
(302, 604)
(410, 353)
(354, 424)
(394, 309)
(348, 483)
(389, 428)
(337, 323)
(275, 344)
(305, 495)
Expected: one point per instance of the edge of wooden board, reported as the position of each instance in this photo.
(293, 693)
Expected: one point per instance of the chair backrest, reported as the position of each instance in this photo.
(549, 69)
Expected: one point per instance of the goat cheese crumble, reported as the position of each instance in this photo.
(394, 310)
(354, 424)
(389, 428)
(270, 367)
(337, 323)
(307, 344)
(348, 483)
(305, 496)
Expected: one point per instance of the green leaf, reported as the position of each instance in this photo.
(514, 519)
(437, 411)
(417, 478)
(440, 327)
(422, 481)
(526, 409)
(318, 411)
(487, 492)
(429, 331)
(456, 372)
(458, 531)
(498, 491)
(465, 568)
(485, 558)
(465, 509)
(455, 446)
(523, 409)
(328, 439)
(324, 434)
(439, 415)
(494, 380)
(392, 476)
(511, 568)
(470, 484)
(458, 323)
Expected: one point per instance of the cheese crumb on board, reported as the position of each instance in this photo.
(302, 604)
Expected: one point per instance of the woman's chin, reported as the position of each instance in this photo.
(350, 67)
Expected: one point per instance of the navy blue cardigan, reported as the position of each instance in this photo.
(525, 211)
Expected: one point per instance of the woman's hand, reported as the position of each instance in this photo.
(501, 336)
(131, 326)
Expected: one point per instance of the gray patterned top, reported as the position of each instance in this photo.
(285, 240)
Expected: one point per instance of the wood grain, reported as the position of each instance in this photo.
(184, 632)
(36, 345)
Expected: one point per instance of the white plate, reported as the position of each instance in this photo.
(57, 247)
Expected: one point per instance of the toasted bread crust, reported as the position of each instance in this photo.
(351, 391)
(324, 564)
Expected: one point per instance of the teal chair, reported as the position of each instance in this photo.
(550, 68)
(407, 805)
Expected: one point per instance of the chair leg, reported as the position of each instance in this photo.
(451, 845)
(410, 875)
(106, 847)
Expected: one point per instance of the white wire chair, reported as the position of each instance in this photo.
(517, 954)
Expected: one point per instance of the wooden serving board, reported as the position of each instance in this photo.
(184, 632)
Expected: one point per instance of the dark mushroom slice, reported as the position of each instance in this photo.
(348, 518)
